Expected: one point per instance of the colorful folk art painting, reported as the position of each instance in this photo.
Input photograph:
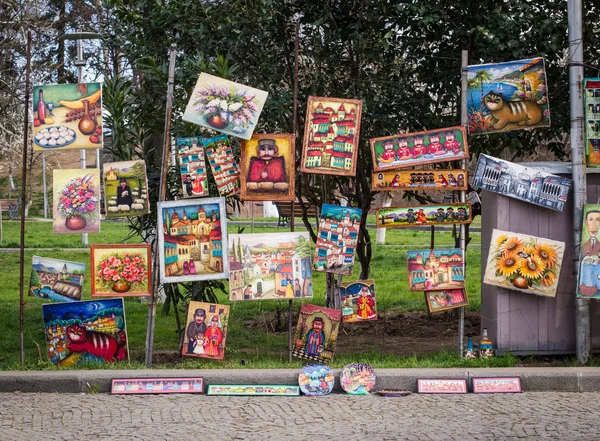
(224, 166)
(92, 330)
(254, 389)
(524, 263)
(434, 270)
(67, 116)
(336, 239)
(225, 106)
(160, 385)
(589, 257)
(446, 299)
(420, 180)
(316, 380)
(529, 184)
(193, 240)
(125, 189)
(416, 216)
(316, 333)
(54, 279)
(121, 270)
(206, 330)
(192, 167)
(417, 149)
(486, 385)
(270, 266)
(592, 121)
(331, 136)
(507, 96)
(76, 201)
(441, 386)
(358, 300)
(357, 379)
(268, 163)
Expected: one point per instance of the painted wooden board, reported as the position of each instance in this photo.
(416, 216)
(358, 300)
(206, 330)
(434, 270)
(420, 180)
(446, 299)
(159, 385)
(442, 386)
(271, 390)
(316, 333)
(497, 385)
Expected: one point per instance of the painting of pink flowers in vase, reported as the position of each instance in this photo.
(121, 270)
(225, 106)
(76, 201)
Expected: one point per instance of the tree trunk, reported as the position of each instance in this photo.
(387, 202)
(332, 294)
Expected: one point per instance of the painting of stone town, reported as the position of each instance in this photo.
(394, 180)
(193, 240)
(76, 201)
(206, 330)
(269, 266)
(121, 270)
(446, 299)
(336, 239)
(415, 216)
(125, 189)
(358, 300)
(53, 279)
(589, 272)
(592, 121)
(225, 168)
(89, 331)
(331, 136)
(268, 163)
(316, 333)
(433, 270)
(524, 263)
(192, 167)
(527, 184)
(417, 149)
(507, 96)
(225, 106)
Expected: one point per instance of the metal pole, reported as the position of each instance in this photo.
(463, 193)
(44, 184)
(82, 158)
(582, 306)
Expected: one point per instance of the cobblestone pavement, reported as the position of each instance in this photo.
(527, 416)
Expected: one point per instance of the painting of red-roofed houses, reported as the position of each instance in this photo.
(269, 266)
(336, 239)
(433, 270)
(331, 136)
(191, 240)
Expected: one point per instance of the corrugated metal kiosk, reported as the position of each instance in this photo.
(525, 323)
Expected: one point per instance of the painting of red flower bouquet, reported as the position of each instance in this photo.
(121, 270)
(524, 263)
(76, 201)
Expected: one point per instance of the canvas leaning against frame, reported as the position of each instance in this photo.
(417, 149)
(588, 285)
(446, 299)
(76, 201)
(192, 167)
(225, 106)
(316, 333)
(331, 136)
(121, 270)
(528, 184)
(358, 300)
(524, 263)
(224, 165)
(507, 96)
(415, 216)
(268, 164)
(434, 270)
(54, 279)
(125, 189)
(592, 121)
(269, 266)
(206, 330)
(192, 240)
(67, 116)
(432, 179)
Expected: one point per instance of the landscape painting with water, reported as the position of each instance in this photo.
(56, 279)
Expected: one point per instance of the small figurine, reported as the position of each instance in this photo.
(470, 352)
(485, 346)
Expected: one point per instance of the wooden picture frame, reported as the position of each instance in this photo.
(443, 300)
(119, 260)
(408, 216)
(490, 385)
(270, 390)
(424, 180)
(442, 386)
(159, 385)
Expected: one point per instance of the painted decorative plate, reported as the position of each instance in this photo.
(316, 380)
(357, 378)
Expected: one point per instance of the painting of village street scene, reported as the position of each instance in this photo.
(225, 106)
(225, 168)
(89, 331)
(192, 167)
(588, 285)
(446, 299)
(316, 333)
(56, 279)
(507, 96)
(417, 149)
(434, 270)
(331, 136)
(121, 270)
(76, 201)
(125, 189)
(420, 180)
(336, 239)
(268, 163)
(414, 216)
(206, 330)
(67, 116)
(527, 184)
(358, 300)
(269, 266)
(193, 240)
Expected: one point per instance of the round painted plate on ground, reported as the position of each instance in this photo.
(55, 137)
(357, 378)
(316, 380)
(393, 393)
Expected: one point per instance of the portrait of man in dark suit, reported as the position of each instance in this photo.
(591, 247)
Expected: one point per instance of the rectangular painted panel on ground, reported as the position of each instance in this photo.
(76, 201)
(53, 279)
(192, 167)
(125, 189)
(161, 385)
(420, 180)
(497, 385)
(507, 96)
(442, 386)
(524, 263)
(524, 183)
(434, 270)
(121, 270)
(92, 330)
(416, 216)
(316, 333)
(254, 390)
(271, 266)
(206, 330)
(588, 285)
(358, 300)
(592, 121)
(224, 166)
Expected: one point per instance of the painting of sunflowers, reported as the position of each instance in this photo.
(524, 263)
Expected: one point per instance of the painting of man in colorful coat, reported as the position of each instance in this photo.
(315, 337)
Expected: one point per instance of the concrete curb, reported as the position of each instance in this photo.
(582, 379)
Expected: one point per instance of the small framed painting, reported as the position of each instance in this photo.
(206, 330)
(121, 270)
(434, 270)
(283, 390)
(192, 167)
(76, 201)
(161, 385)
(442, 386)
(125, 189)
(358, 300)
(420, 215)
(224, 166)
(53, 279)
(446, 299)
(497, 385)
(420, 180)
